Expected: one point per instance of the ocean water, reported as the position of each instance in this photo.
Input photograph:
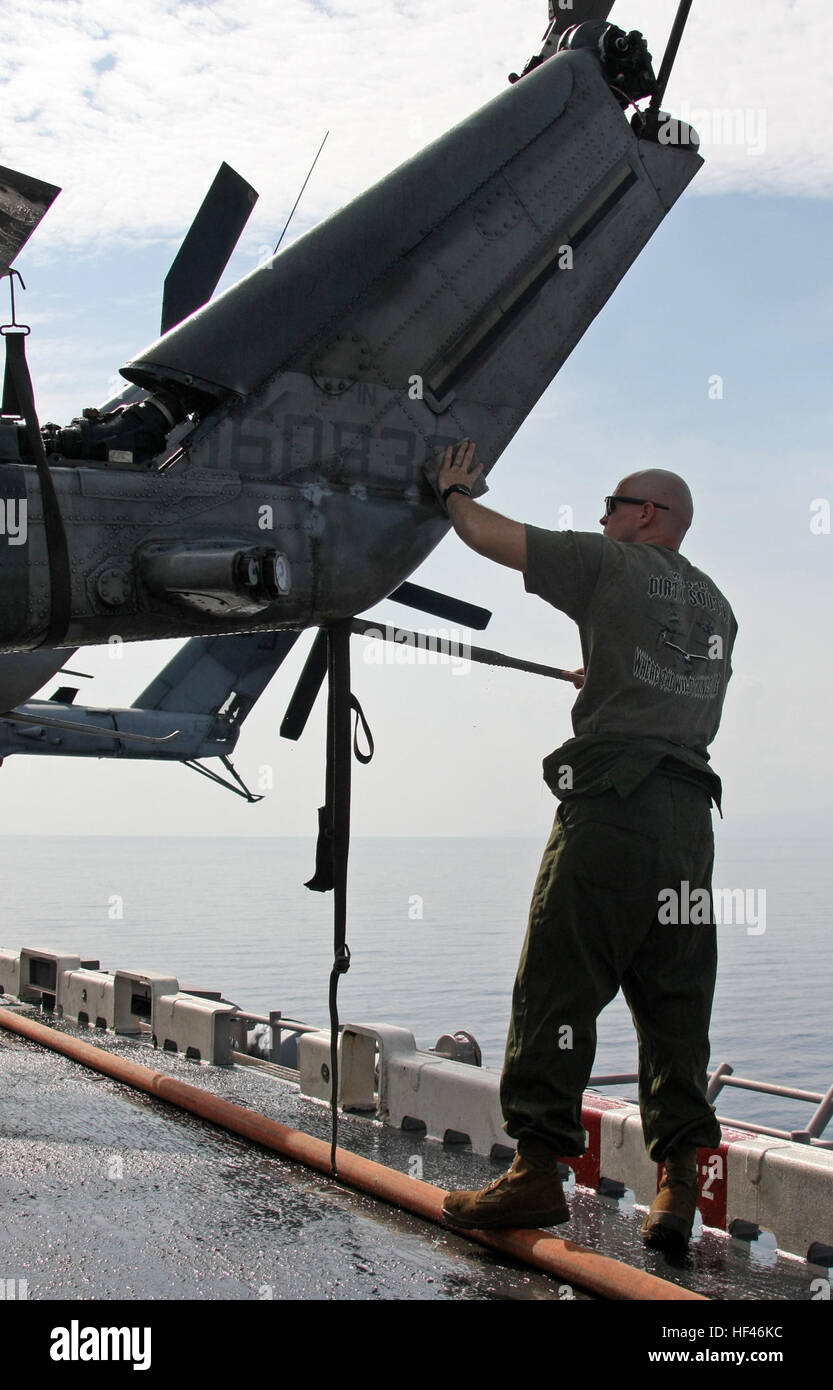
(435, 927)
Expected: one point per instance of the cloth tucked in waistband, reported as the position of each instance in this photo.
(589, 764)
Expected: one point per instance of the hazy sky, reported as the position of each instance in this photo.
(131, 109)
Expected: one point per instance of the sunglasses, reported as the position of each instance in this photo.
(610, 503)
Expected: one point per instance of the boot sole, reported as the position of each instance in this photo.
(522, 1221)
(666, 1233)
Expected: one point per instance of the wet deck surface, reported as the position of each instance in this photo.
(108, 1193)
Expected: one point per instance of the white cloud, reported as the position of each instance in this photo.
(132, 108)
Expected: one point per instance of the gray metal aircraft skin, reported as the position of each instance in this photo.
(71, 731)
(194, 708)
(434, 307)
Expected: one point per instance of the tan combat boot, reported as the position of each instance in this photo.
(669, 1223)
(525, 1196)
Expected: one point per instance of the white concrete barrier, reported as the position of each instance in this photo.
(88, 997)
(359, 1077)
(199, 1029)
(776, 1185)
(135, 995)
(455, 1102)
(314, 1066)
(783, 1187)
(41, 976)
(622, 1157)
(752, 1180)
(10, 973)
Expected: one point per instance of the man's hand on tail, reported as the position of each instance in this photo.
(490, 534)
(458, 468)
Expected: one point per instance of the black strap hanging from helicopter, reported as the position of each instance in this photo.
(333, 846)
(19, 400)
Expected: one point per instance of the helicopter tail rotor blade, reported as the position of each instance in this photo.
(306, 691)
(200, 261)
(209, 242)
(566, 13)
(24, 201)
(680, 21)
(442, 606)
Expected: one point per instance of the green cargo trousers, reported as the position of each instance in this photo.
(594, 925)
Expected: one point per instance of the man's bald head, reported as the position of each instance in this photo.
(654, 525)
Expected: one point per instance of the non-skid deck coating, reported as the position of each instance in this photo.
(108, 1193)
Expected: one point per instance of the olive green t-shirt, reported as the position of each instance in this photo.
(656, 639)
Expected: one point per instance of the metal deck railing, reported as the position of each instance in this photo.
(723, 1075)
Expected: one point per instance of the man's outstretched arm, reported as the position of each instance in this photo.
(487, 532)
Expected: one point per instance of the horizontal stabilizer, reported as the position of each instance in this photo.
(24, 201)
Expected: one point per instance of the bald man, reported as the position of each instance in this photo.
(631, 845)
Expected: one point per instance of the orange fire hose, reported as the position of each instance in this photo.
(597, 1274)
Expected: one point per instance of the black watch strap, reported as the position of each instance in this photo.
(456, 487)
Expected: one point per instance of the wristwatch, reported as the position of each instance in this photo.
(455, 487)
